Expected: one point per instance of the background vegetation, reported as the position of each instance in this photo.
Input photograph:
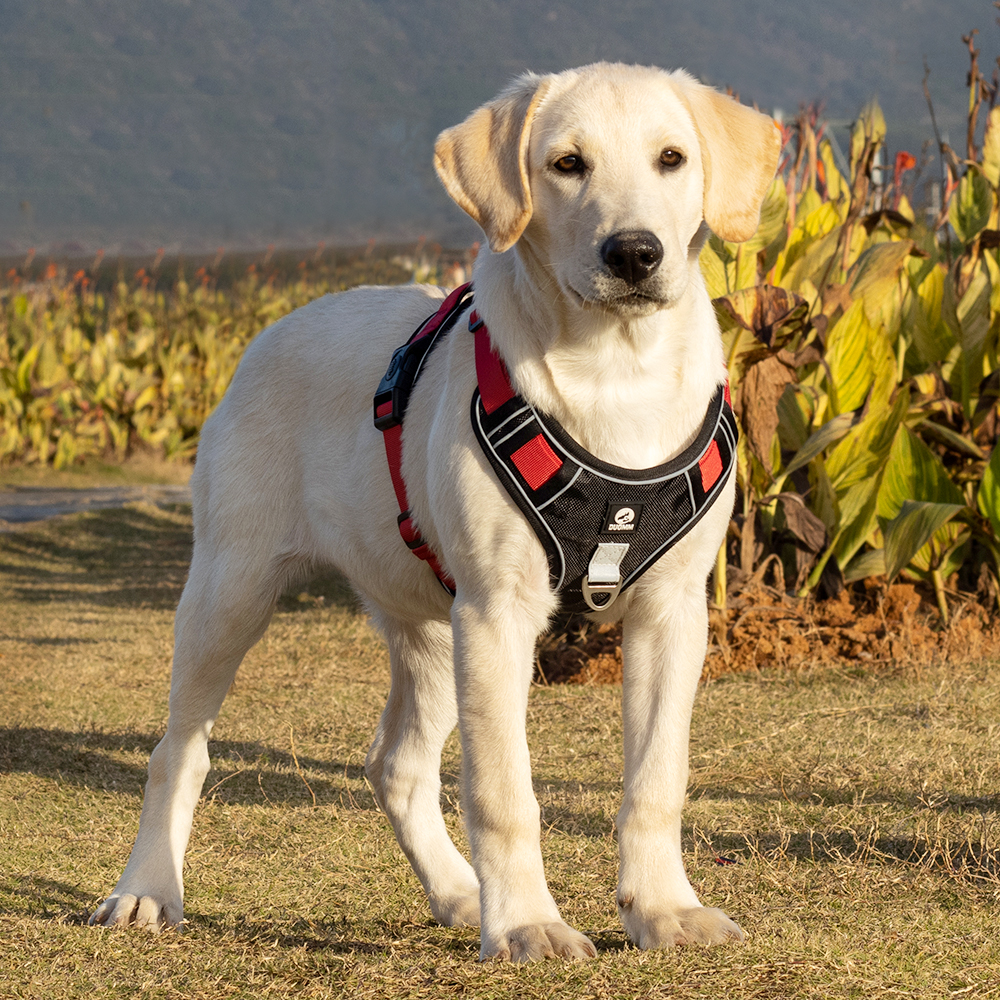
(862, 343)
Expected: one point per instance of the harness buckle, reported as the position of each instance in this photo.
(603, 578)
(394, 389)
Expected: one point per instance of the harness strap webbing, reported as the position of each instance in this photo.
(390, 407)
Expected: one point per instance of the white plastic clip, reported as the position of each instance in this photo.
(604, 577)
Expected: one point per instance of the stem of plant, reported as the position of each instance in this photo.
(720, 577)
(942, 601)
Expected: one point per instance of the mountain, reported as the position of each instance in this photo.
(188, 123)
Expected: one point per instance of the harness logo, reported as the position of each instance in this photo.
(621, 517)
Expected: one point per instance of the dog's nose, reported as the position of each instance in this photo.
(632, 256)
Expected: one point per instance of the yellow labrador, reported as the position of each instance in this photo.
(596, 189)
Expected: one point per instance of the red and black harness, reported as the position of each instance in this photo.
(601, 526)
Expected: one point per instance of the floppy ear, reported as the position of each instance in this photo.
(483, 163)
(739, 151)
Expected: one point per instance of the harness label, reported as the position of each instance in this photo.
(621, 517)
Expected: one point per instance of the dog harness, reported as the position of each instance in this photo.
(601, 526)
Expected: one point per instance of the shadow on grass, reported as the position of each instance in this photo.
(966, 860)
(340, 936)
(134, 557)
(258, 774)
(368, 938)
(825, 797)
(45, 898)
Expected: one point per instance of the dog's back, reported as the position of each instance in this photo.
(288, 459)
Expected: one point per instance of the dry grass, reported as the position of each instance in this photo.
(861, 809)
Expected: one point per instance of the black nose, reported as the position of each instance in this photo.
(632, 256)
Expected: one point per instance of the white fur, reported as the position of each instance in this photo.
(291, 475)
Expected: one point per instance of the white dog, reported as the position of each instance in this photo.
(596, 189)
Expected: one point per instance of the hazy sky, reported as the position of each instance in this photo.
(184, 123)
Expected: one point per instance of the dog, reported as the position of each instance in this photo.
(596, 189)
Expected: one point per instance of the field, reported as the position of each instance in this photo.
(859, 809)
(843, 800)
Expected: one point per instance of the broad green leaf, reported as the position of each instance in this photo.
(972, 315)
(913, 472)
(870, 563)
(991, 148)
(772, 217)
(849, 357)
(868, 129)
(809, 202)
(954, 440)
(827, 435)
(863, 451)
(947, 550)
(25, 366)
(49, 371)
(836, 183)
(876, 276)
(793, 427)
(743, 272)
(911, 529)
(905, 209)
(973, 311)
(989, 258)
(823, 497)
(858, 518)
(811, 242)
(931, 335)
(713, 270)
(821, 220)
(988, 497)
(971, 206)
(859, 356)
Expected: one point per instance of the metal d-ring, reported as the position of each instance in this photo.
(611, 589)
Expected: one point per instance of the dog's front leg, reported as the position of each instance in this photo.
(493, 666)
(664, 649)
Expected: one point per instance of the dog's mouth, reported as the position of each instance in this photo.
(632, 302)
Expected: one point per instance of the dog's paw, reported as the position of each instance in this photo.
(461, 910)
(535, 941)
(695, 925)
(147, 912)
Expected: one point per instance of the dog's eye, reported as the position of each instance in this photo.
(671, 158)
(570, 164)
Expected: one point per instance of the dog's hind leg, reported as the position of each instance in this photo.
(404, 764)
(225, 608)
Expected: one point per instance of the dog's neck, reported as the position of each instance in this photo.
(632, 391)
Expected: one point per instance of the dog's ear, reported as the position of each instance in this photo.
(483, 163)
(739, 151)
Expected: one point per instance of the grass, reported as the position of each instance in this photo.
(861, 810)
(139, 469)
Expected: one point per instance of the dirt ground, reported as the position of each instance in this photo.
(762, 628)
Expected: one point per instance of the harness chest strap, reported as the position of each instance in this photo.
(601, 526)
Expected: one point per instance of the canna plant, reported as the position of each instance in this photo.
(85, 372)
(863, 357)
